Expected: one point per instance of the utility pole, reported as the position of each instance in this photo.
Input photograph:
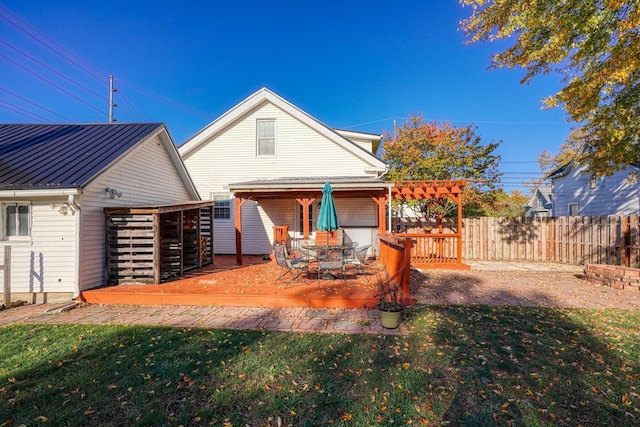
(111, 104)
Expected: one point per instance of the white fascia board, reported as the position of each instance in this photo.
(54, 192)
(360, 135)
(307, 186)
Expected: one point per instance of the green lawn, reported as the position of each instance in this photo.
(460, 365)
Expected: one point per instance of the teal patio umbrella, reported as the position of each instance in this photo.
(327, 221)
(328, 217)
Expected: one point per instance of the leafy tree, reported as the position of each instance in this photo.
(595, 47)
(418, 150)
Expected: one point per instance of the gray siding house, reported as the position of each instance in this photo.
(540, 203)
(575, 192)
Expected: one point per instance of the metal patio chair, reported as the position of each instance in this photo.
(294, 267)
(359, 260)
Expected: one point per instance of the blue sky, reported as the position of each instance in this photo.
(351, 64)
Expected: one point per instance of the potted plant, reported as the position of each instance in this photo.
(389, 308)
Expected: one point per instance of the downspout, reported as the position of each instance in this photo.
(76, 207)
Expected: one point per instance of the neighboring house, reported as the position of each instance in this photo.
(575, 192)
(270, 159)
(540, 203)
(55, 181)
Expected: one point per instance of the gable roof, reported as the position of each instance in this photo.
(259, 98)
(563, 170)
(543, 194)
(62, 156)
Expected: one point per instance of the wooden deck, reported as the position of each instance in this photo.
(252, 284)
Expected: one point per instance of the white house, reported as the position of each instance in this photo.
(270, 159)
(577, 193)
(55, 181)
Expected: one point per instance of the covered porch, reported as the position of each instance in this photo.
(307, 193)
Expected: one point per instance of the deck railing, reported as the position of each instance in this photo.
(433, 249)
(395, 255)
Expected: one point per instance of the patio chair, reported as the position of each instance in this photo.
(294, 267)
(359, 259)
(308, 254)
(329, 260)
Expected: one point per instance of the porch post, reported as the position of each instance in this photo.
(381, 202)
(238, 216)
(458, 200)
(304, 203)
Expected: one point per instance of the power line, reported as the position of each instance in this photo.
(23, 112)
(166, 100)
(53, 70)
(38, 37)
(33, 103)
(50, 83)
(130, 104)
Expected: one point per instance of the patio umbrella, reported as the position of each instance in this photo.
(328, 218)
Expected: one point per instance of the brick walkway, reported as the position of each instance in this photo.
(549, 285)
(282, 319)
(520, 284)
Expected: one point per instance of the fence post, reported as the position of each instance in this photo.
(406, 276)
(625, 250)
(6, 267)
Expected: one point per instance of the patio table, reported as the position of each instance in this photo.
(327, 262)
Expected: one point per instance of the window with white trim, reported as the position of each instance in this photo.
(573, 209)
(222, 207)
(266, 138)
(16, 220)
(596, 181)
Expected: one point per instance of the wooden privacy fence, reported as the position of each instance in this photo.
(613, 240)
(609, 240)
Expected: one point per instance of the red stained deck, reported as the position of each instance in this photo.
(252, 284)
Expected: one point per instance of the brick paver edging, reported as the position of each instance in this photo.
(354, 321)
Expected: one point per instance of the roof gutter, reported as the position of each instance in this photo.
(307, 186)
(41, 193)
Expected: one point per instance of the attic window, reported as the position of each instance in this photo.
(266, 138)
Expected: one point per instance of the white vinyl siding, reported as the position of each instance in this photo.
(145, 176)
(301, 152)
(46, 261)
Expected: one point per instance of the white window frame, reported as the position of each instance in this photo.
(221, 197)
(574, 206)
(5, 221)
(596, 181)
(260, 140)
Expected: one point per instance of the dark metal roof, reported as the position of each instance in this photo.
(37, 156)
